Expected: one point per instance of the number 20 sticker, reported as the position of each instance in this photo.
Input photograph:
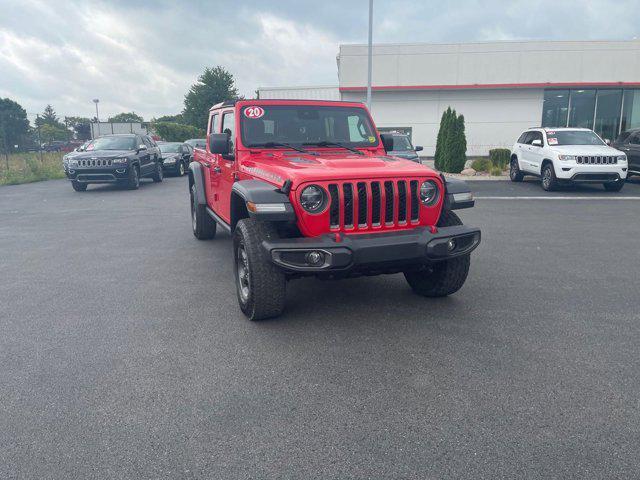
(253, 112)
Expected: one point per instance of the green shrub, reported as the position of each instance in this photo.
(500, 157)
(451, 144)
(177, 132)
(496, 171)
(481, 165)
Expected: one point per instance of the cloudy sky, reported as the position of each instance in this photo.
(143, 55)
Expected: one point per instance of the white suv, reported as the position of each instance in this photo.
(567, 155)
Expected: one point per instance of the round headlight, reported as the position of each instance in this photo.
(429, 192)
(313, 199)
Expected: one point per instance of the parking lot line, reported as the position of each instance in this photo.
(553, 198)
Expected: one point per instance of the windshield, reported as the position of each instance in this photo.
(200, 142)
(170, 147)
(573, 137)
(113, 143)
(307, 125)
(401, 144)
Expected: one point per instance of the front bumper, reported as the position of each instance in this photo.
(393, 251)
(590, 173)
(97, 175)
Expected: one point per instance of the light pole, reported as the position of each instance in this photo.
(370, 54)
(96, 101)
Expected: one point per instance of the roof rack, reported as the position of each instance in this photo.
(224, 103)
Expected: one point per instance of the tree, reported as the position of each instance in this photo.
(177, 118)
(128, 117)
(49, 133)
(213, 86)
(451, 145)
(14, 125)
(176, 132)
(48, 117)
(81, 127)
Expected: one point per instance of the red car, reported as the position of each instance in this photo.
(307, 188)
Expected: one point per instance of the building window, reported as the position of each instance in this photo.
(608, 105)
(555, 108)
(631, 110)
(582, 104)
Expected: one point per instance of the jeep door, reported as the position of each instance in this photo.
(226, 166)
(147, 157)
(210, 164)
(534, 153)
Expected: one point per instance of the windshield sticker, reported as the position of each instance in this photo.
(552, 140)
(253, 112)
(551, 132)
(372, 139)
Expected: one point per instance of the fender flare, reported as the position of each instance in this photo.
(196, 177)
(457, 194)
(260, 193)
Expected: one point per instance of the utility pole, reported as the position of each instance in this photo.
(370, 54)
(4, 140)
(96, 101)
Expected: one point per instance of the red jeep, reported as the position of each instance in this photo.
(306, 188)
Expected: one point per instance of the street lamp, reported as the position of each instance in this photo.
(96, 101)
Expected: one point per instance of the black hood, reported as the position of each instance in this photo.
(91, 154)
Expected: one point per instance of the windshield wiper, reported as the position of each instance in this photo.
(279, 144)
(325, 143)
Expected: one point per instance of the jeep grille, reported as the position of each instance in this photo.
(373, 203)
(596, 159)
(94, 163)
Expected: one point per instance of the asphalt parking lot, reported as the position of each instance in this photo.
(124, 354)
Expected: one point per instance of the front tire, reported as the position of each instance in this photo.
(515, 174)
(158, 175)
(549, 180)
(443, 278)
(78, 186)
(202, 225)
(133, 180)
(260, 285)
(614, 186)
(181, 169)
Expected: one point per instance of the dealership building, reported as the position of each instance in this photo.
(501, 88)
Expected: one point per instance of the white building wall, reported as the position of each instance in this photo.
(493, 117)
(497, 63)
(300, 93)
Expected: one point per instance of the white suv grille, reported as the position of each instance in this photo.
(596, 159)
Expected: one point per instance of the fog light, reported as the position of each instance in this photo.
(451, 245)
(315, 258)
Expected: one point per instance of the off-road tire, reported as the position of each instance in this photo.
(158, 175)
(133, 179)
(613, 186)
(202, 225)
(515, 174)
(266, 284)
(442, 278)
(548, 178)
(79, 186)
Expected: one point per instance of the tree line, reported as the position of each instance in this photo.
(214, 85)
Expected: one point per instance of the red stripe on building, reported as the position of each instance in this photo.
(493, 85)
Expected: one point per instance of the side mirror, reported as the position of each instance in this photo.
(219, 143)
(537, 142)
(387, 141)
(607, 141)
(418, 148)
(142, 147)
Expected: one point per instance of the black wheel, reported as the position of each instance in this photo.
(202, 225)
(515, 173)
(78, 186)
(442, 278)
(181, 169)
(549, 180)
(260, 285)
(613, 186)
(133, 180)
(158, 176)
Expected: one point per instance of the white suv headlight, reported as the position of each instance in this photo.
(622, 158)
(567, 158)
